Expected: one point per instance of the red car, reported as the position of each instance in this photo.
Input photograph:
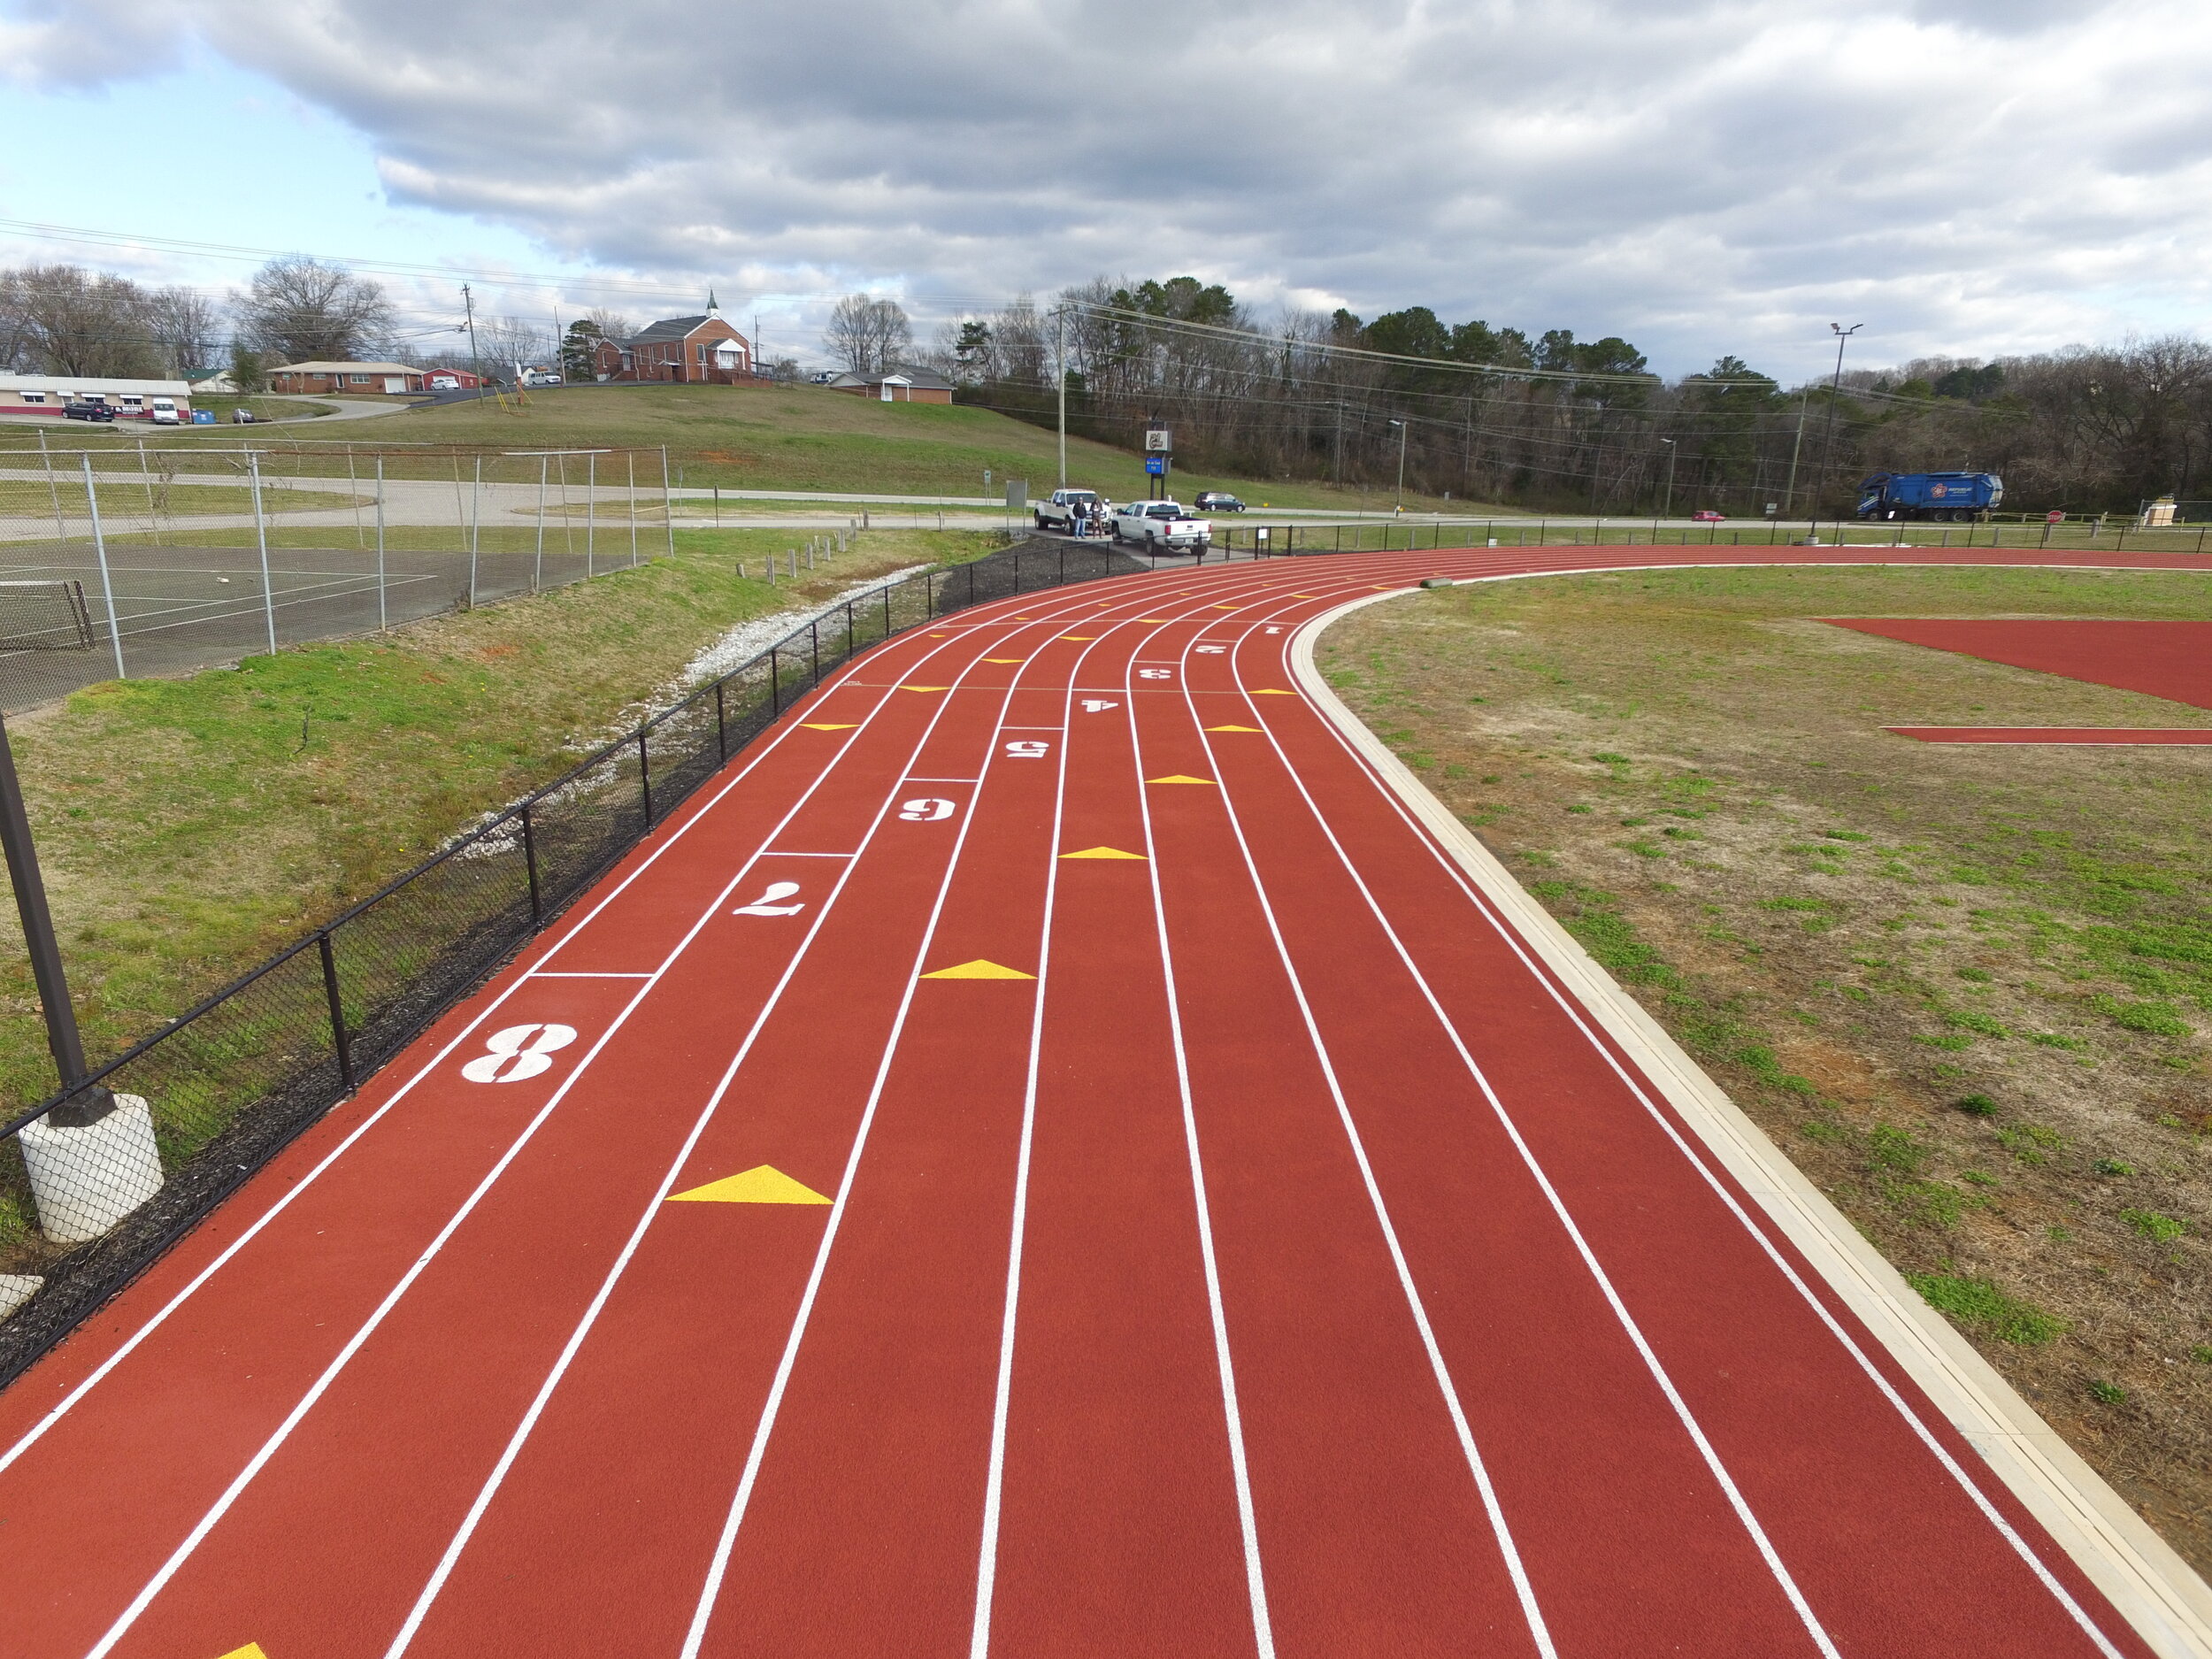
(1706, 515)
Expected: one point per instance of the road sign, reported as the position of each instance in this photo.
(1155, 465)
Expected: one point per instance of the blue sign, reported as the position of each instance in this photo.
(1155, 465)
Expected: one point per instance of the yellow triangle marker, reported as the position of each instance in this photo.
(1153, 621)
(1006, 659)
(762, 1184)
(252, 1650)
(814, 725)
(1305, 595)
(1233, 728)
(1080, 638)
(1179, 777)
(1273, 691)
(924, 687)
(979, 969)
(1228, 607)
(1104, 852)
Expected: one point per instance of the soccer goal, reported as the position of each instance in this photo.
(44, 615)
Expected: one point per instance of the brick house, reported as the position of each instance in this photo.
(699, 351)
(903, 383)
(359, 380)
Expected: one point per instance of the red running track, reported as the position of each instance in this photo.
(2077, 736)
(1251, 1248)
(2165, 658)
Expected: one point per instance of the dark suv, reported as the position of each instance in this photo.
(1218, 501)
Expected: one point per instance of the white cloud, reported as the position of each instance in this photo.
(1701, 175)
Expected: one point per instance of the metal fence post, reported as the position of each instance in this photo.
(382, 622)
(814, 643)
(668, 503)
(343, 1044)
(591, 513)
(530, 867)
(261, 539)
(721, 724)
(476, 524)
(100, 551)
(644, 777)
(629, 458)
(537, 571)
(775, 683)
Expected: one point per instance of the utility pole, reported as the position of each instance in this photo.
(1667, 511)
(1061, 313)
(476, 361)
(88, 1107)
(1402, 430)
(1789, 491)
(1835, 391)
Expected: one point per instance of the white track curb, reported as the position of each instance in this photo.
(2150, 1585)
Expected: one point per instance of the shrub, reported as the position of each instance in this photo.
(2157, 1228)
(1979, 1303)
(1976, 1105)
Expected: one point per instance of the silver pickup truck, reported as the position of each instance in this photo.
(1058, 511)
(1160, 527)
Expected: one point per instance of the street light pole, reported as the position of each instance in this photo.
(1402, 464)
(1667, 510)
(46, 969)
(1835, 391)
(1063, 355)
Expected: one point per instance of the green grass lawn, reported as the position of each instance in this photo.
(796, 438)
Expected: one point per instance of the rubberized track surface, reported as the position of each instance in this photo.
(2165, 658)
(1251, 1248)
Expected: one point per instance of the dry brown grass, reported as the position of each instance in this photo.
(1857, 933)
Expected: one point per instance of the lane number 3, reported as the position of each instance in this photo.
(517, 1052)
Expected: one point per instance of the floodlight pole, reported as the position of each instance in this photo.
(38, 934)
(1062, 353)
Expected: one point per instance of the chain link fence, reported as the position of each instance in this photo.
(96, 1184)
(185, 558)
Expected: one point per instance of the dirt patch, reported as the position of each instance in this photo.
(1967, 989)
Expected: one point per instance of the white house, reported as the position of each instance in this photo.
(45, 394)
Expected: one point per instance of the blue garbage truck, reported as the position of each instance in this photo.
(1959, 497)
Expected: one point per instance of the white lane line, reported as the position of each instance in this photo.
(1254, 1577)
(994, 1484)
(695, 814)
(492, 1484)
(703, 1611)
(2020, 1545)
(245, 1478)
(574, 974)
(1503, 1532)
(1659, 1374)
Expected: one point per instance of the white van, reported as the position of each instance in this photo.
(163, 411)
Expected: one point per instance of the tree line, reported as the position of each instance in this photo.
(1485, 412)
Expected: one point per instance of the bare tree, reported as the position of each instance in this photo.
(68, 320)
(612, 324)
(301, 310)
(871, 335)
(183, 324)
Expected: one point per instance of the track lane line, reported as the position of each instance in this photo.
(1500, 1529)
(567, 929)
(176, 1560)
(725, 1544)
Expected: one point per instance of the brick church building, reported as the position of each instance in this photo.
(702, 349)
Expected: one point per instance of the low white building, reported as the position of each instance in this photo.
(46, 394)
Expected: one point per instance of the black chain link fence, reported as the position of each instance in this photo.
(86, 1206)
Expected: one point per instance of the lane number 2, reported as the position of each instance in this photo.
(517, 1052)
(1028, 749)
(925, 811)
(770, 903)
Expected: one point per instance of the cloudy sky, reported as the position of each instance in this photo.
(1968, 177)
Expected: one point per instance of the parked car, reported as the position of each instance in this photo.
(1157, 526)
(1217, 501)
(1706, 515)
(243, 417)
(87, 409)
(821, 376)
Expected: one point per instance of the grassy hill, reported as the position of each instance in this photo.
(812, 438)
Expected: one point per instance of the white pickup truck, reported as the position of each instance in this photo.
(1160, 527)
(1058, 511)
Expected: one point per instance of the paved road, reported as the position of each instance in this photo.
(1061, 1150)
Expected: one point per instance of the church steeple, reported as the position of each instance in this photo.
(713, 309)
